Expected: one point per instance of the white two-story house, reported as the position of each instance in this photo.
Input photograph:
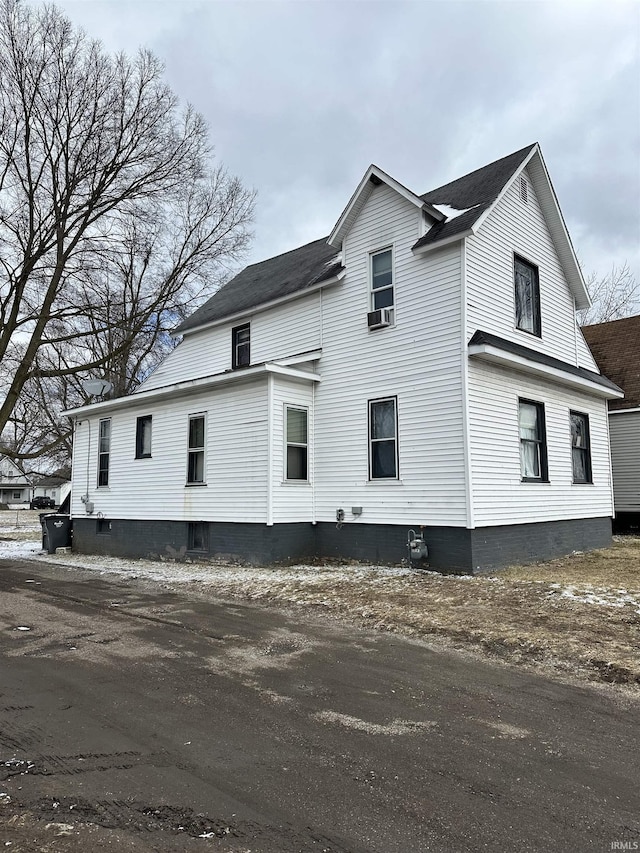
(419, 369)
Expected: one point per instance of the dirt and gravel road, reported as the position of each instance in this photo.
(134, 718)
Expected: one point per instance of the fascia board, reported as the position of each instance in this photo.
(264, 306)
(431, 247)
(555, 221)
(191, 386)
(362, 193)
(559, 232)
(486, 352)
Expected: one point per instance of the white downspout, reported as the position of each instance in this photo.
(468, 469)
(270, 434)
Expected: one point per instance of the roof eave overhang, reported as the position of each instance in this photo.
(193, 386)
(273, 303)
(498, 356)
(438, 244)
(373, 177)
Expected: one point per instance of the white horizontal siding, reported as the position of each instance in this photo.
(516, 227)
(286, 330)
(499, 496)
(155, 488)
(279, 332)
(624, 429)
(199, 354)
(418, 361)
(292, 501)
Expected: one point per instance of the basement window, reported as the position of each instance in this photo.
(198, 536)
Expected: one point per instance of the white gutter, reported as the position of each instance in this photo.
(430, 247)
(192, 386)
(624, 411)
(487, 352)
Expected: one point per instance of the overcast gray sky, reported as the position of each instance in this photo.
(302, 96)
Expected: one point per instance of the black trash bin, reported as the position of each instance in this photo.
(56, 531)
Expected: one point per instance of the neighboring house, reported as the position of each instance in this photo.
(420, 369)
(616, 347)
(54, 487)
(14, 486)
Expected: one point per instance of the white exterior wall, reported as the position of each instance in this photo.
(518, 228)
(155, 488)
(624, 429)
(418, 361)
(279, 332)
(499, 496)
(292, 501)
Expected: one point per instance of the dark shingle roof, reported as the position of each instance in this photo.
(301, 268)
(616, 348)
(268, 280)
(477, 190)
(541, 358)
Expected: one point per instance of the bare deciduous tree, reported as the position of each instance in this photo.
(112, 220)
(613, 296)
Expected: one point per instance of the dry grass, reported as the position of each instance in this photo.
(579, 615)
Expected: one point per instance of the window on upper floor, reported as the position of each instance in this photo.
(241, 346)
(195, 454)
(297, 443)
(143, 437)
(580, 448)
(383, 439)
(527, 294)
(533, 441)
(382, 280)
(104, 448)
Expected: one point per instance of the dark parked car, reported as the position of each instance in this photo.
(42, 503)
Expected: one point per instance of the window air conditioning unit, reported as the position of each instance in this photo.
(380, 318)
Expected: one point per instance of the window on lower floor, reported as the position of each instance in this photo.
(383, 439)
(580, 448)
(143, 437)
(17, 496)
(198, 536)
(533, 441)
(104, 447)
(297, 443)
(195, 457)
(241, 346)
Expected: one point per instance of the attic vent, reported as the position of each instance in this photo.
(524, 189)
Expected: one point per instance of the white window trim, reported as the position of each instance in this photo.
(370, 477)
(286, 443)
(203, 450)
(108, 452)
(389, 248)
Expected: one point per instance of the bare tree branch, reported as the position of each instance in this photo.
(113, 222)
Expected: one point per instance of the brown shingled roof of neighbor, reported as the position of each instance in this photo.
(616, 348)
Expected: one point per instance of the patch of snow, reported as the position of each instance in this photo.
(598, 596)
(453, 212)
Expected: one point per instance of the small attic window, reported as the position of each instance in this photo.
(524, 189)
